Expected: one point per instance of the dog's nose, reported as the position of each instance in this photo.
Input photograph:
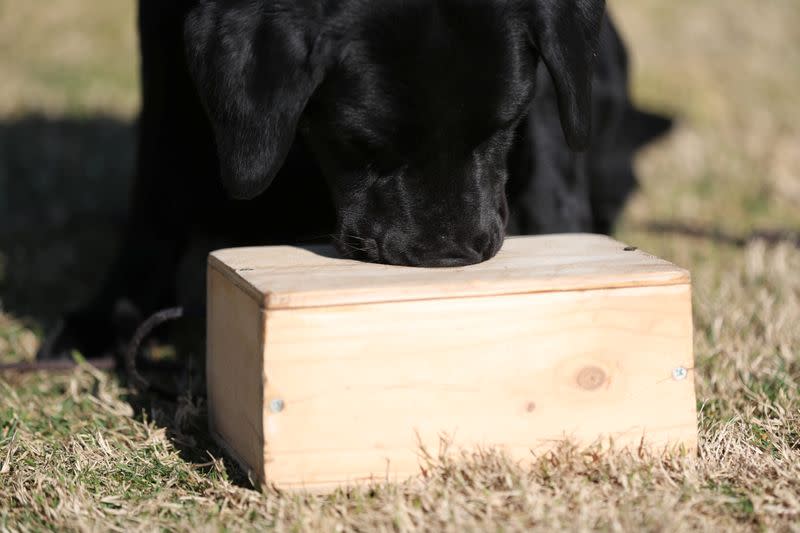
(442, 256)
(397, 248)
(442, 251)
(467, 257)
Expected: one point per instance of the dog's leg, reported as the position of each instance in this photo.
(175, 164)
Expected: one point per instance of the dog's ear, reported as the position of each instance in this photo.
(566, 33)
(255, 69)
(641, 127)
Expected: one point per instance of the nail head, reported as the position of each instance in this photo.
(680, 373)
(276, 405)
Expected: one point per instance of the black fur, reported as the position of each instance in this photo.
(414, 132)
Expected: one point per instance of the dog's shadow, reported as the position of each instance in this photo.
(64, 184)
(63, 198)
(185, 420)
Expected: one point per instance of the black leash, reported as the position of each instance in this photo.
(771, 237)
(131, 352)
(130, 356)
(65, 365)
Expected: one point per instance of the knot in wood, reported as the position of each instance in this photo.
(591, 377)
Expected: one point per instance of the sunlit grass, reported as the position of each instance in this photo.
(74, 455)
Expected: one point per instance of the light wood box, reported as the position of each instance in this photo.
(325, 371)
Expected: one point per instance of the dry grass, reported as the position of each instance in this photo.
(75, 454)
(74, 56)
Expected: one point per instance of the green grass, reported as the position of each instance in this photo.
(78, 453)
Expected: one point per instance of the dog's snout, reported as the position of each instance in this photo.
(440, 250)
(484, 245)
(442, 254)
(453, 242)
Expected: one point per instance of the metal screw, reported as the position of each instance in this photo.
(679, 374)
(276, 405)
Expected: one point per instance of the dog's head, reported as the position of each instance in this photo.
(409, 105)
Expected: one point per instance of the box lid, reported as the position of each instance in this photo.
(283, 277)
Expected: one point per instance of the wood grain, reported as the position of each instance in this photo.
(516, 372)
(235, 371)
(284, 277)
(559, 337)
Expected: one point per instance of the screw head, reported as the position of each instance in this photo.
(680, 373)
(276, 405)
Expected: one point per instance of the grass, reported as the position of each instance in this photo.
(78, 453)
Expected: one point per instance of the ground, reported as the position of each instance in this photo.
(77, 453)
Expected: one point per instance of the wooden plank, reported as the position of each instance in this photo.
(362, 383)
(235, 373)
(283, 277)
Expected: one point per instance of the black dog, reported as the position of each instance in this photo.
(412, 132)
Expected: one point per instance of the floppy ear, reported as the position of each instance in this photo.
(642, 127)
(566, 33)
(254, 71)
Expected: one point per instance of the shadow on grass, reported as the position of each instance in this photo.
(185, 421)
(63, 196)
(64, 185)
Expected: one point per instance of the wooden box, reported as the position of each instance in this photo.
(323, 371)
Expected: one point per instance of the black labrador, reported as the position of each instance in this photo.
(410, 132)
